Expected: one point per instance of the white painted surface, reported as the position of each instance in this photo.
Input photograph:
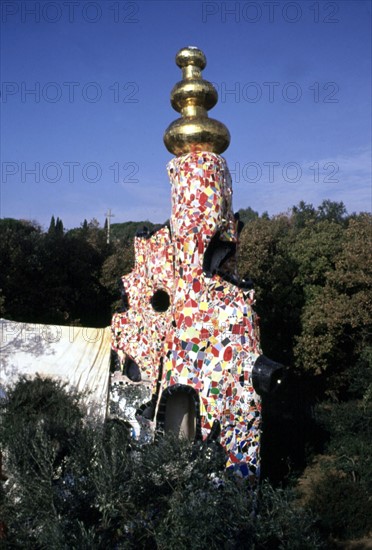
(79, 356)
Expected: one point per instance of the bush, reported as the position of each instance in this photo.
(39, 413)
(75, 484)
(343, 506)
(341, 496)
(283, 524)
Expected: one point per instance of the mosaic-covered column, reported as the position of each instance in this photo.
(215, 342)
(188, 329)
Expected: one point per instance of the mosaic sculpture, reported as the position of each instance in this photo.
(188, 328)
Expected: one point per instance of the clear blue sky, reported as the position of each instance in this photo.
(91, 136)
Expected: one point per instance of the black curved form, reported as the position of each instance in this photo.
(132, 370)
(146, 233)
(114, 361)
(215, 432)
(240, 224)
(147, 410)
(216, 254)
(244, 284)
(124, 298)
(267, 375)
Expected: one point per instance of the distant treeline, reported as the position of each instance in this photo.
(62, 277)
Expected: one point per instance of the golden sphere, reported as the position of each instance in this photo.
(191, 56)
(193, 92)
(189, 134)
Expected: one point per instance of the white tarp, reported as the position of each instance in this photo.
(79, 356)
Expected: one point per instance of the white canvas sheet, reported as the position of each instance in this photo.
(79, 356)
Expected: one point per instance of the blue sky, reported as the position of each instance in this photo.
(294, 80)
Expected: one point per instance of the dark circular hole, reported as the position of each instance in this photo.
(160, 300)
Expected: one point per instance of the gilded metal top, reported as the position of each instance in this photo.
(193, 97)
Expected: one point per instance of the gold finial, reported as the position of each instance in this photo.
(193, 97)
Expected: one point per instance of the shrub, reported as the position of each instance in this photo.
(79, 485)
(343, 506)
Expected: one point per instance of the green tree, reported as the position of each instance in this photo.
(96, 236)
(313, 251)
(336, 319)
(264, 257)
(126, 231)
(119, 263)
(52, 226)
(247, 214)
(303, 213)
(20, 267)
(332, 211)
(59, 228)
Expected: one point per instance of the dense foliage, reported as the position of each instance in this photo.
(85, 485)
(312, 271)
(60, 277)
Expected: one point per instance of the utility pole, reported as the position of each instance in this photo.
(108, 218)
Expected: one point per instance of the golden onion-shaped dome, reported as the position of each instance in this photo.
(193, 97)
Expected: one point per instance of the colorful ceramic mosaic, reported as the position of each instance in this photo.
(140, 331)
(203, 343)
